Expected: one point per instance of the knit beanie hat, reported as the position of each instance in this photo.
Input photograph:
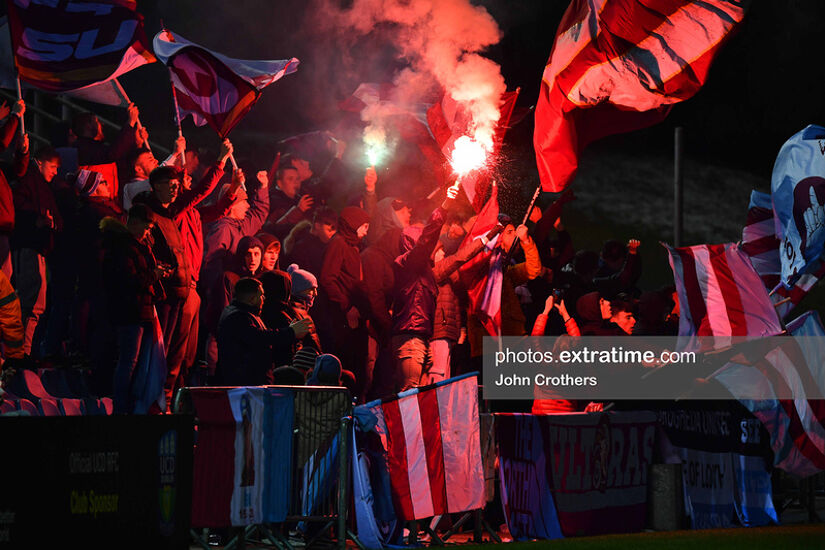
(304, 359)
(87, 181)
(301, 279)
(327, 371)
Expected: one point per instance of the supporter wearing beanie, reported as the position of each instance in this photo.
(303, 293)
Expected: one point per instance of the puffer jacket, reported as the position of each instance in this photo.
(449, 308)
(415, 286)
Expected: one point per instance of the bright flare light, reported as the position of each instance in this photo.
(374, 154)
(468, 155)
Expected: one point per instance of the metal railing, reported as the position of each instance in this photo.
(320, 462)
(36, 114)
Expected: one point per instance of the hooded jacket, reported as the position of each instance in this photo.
(221, 294)
(379, 279)
(341, 273)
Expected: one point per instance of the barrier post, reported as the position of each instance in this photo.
(343, 482)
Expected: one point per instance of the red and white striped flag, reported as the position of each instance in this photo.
(760, 243)
(794, 369)
(431, 437)
(720, 293)
(617, 66)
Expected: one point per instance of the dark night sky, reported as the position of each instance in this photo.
(768, 82)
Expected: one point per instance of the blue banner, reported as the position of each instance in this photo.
(278, 424)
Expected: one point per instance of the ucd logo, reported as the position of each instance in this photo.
(167, 469)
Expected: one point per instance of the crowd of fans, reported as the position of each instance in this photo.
(301, 274)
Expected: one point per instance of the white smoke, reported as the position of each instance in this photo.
(440, 41)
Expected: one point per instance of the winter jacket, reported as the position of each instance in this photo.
(245, 347)
(221, 294)
(167, 246)
(130, 284)
(379, 280)
(276, 313)
(450, 301)
(20, 162)
(415, 290)
(190, 225)
(283, 214)
(33, 198)
(341, 274)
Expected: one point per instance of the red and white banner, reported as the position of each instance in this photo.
(215, 89)
(62, 46)
(431, 436)
(229, 458)
(796, 426)
(720, 293)
(617, 66)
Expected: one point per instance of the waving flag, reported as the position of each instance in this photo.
(798, 193)
(617, 66)
(760, 243)
(483, 275)
(62, 46)
(215, 89)
(795, 368)
(431, 439)
(720, 293)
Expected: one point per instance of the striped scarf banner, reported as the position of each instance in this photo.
(617, 66)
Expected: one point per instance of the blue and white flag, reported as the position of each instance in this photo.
(798, 193)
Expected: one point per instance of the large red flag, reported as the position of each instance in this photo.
(617, 66)
(215, 89)
(61, 46)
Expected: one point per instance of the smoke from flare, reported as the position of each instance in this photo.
(440, 40)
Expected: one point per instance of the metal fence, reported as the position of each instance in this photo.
(319, 463)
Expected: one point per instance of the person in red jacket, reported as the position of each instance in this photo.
(21, 160)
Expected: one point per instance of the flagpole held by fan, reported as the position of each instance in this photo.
(19, 88)
(526, 218)
(177, 119)
(125, 97)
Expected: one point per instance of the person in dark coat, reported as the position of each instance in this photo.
(276, 312)
(414, 298)
(287, 206)
(303, 291)
(37, 222)
(341, 304)
(131, 289)
(245, 345)
(308, 251)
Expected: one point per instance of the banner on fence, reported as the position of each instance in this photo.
(595, 466)
(725, 455)
(241, 475)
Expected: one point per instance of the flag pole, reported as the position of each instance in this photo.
(17, 79)
(526, 217)
(19, 97)
(125, 97)
(177, 118)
